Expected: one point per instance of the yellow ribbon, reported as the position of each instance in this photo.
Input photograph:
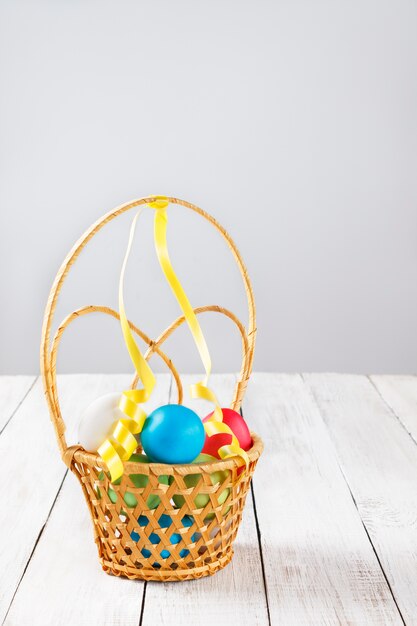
(122, 443)
(200, 389)
(214, 427)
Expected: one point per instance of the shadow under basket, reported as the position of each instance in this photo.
(158, 522)
(163, 522)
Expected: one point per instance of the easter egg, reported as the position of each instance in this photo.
(237, 425)
(213, 443)
(165, 521)
(98, 420)
(172, 434)
(204, 458)
(141, 480)
(191, 480)
(138, 480)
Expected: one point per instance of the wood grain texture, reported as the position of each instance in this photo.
(236, 594)
(64, 583)
(32, 471)
(400, 393)
(379, 461)
(12, 391)
(320, 567)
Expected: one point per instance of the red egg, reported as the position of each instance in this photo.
(239, 427)
(213, 443)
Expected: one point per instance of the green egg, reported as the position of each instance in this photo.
(191, 480)
(140, 481)
(204, 458)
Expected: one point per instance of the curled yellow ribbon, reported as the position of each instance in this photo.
(122, 443)
(200, 389)
(214, 427)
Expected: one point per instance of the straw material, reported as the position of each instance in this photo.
(159, 522)
(180, 524)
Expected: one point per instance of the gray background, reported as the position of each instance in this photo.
(294, 123)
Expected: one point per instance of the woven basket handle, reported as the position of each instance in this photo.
(48, 352)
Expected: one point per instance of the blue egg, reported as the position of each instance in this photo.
(173, 434)
(165, 521)
(187, 521)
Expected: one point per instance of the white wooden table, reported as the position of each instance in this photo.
(329, 534)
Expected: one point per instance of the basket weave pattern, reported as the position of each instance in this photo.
(159, 522)
(155, 539)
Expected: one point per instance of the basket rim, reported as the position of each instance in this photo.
(92, 459)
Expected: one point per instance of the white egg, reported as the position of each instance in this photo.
(98, 420)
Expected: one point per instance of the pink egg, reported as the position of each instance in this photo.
(239, 427)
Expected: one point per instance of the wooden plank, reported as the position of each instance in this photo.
(320, 567)
(12, 392)
(234, 595)
(379, 461)
(33, 472)
(64, 583)
(400, 393)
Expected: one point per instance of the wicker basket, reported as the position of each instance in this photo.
(160, 522)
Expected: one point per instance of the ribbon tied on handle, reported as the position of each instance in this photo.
(122, 443)
(200, 389)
